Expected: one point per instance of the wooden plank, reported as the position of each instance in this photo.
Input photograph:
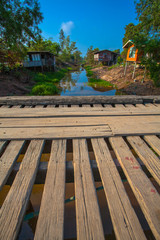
(154, 142)
(77, 99)
(141, 106)
(149, 159)
(51, 217)
(76, 127)
(2, 145)
(51, 122)
(86, 105)
(8, 160)
(143, 189)
(59, 112)
(55, 132)
(108, 106)
(120, 106)
(88, 218)
(131, 106)
(97, 105)
(75, 105)
(63, 106)
(16, 106)
(14, 206)
(124, 219)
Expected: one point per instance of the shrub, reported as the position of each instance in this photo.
(99, 83)
(44, 89)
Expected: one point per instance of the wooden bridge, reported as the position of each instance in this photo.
(122, 135)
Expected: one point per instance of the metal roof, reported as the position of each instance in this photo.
(106, 51)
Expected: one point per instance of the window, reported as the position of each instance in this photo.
(36, 57)
(132, 52)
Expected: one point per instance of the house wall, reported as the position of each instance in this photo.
(36, 60)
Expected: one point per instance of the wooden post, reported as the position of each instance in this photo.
(144, 74)
(134, 70)
(125, 69)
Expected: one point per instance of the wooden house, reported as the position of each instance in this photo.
(106, 57)
(43, 59)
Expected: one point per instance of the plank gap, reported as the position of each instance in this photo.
(138, 211)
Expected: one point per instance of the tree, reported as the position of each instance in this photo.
(148, 14)
(18, 25)
(19, 21)
(146, 36)
(148, 39)
(62, 39)
(90, 55)
(45, 45)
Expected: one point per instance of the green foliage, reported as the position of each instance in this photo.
(113, 66)
(19, 21)
(99, 83)
(45, 45)
(44, 89)
(18, 25)
(148, 14)
(61, 39)
(146, 36)
(119, 60)
(47, 82)
(90, 55)
(89, 73)
(69, 51)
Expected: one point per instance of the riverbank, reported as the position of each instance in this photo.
(25, 82)
(125, 84)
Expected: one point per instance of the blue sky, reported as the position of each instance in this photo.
(88, 22)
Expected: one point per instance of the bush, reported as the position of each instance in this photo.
(44, 89)
(99, 83)
(89, 73)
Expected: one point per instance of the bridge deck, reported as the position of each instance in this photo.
(105, 141)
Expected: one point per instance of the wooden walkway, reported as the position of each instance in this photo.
(125, 132)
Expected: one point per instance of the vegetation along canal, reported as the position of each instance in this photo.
(78, 84)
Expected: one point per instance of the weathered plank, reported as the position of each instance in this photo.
(144, 191)
(51, 217)
(120, 106)
(2, 145)
(83, 111)
(154, 142)
(150, 160)
(88, 218)
(14, 206)
(124, 219)
(55, 132)
(29, 100)
(8, 160)
(52, 122)
(78, 127)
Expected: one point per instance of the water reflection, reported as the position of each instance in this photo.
(75, 84)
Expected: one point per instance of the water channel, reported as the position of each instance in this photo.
(75, 84)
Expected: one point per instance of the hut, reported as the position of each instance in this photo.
(36, 59)
(106, 57)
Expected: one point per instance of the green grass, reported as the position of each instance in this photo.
(99, 83)
(114, 66)
(46, 82)
(44, 89)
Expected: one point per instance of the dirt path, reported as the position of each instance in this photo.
(126, 84)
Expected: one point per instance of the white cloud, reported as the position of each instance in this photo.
(67, 27)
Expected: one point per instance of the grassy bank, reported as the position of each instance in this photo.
(47, 82)
(94, 82)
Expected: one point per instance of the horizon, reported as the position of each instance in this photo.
(93, 27)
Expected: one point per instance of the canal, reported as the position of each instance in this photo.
(75, 84)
